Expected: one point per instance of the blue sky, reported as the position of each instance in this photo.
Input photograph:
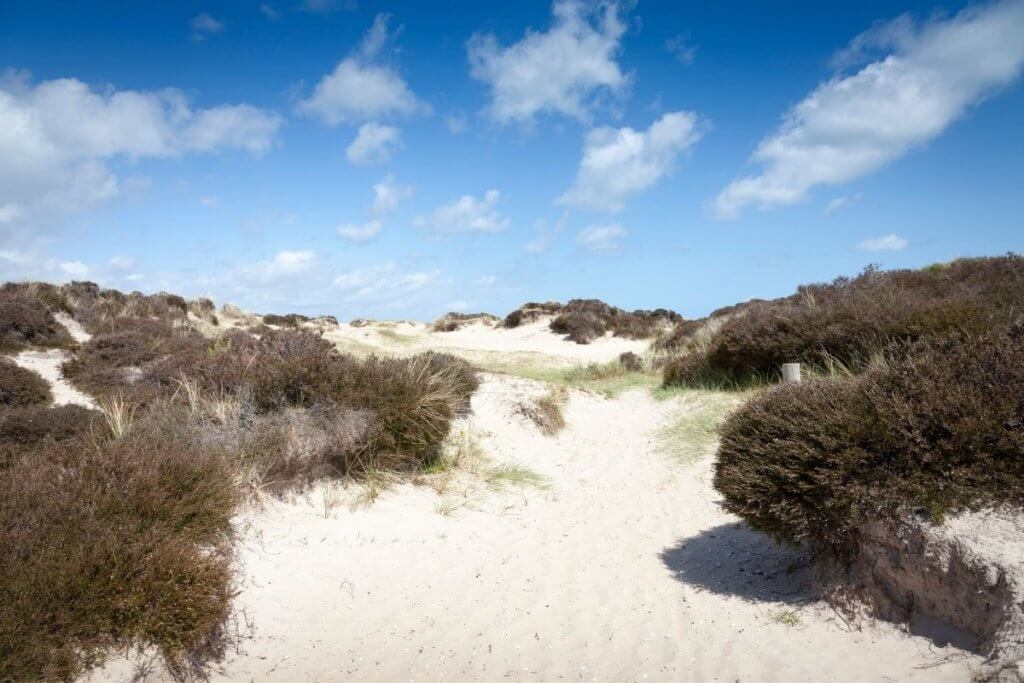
(393, 159)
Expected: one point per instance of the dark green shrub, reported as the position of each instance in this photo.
(850, 320)
(20, 386)
(115, 544)
(939, 429)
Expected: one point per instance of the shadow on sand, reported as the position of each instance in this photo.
(732, 559)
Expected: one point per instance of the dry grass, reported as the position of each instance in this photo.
(546, 411)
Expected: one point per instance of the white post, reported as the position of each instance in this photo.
(791, 372)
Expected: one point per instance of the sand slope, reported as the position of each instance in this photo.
(624, 569)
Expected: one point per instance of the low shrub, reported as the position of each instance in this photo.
(26, 320)
(23, 427)
(289, 320)
(585, 320)
(111, 544)
(631, 362)
(938, 429)
(116, 358)
(20, 386)
(450, 322)
(849, 320)
(529, 312)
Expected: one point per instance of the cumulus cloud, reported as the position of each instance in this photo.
(891, 242)
(285, 264)
(388, 194)
(852, 125)
(359, 233)
(619, 162)
(563, 70)
(374, 144)
(360, 88)
(467, 214)
(386, 283)
(601, 238)
(55, 137)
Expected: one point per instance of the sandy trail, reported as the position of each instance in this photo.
(623, 569)
(47, 363)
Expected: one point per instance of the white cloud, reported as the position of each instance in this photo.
(210, 201)
(619, 162)
(74, 268)
(359, 233)
(467, 214)
(456, 123)
(204, 25)
(373, 144)
(284, 264)
(55, 137)
(892, 242)
(135, 277)
(387, 195)
(852, 125)
(383, 283)
(839, 203)
(359, 89)
(123, 262)
(563, 70)
(9, 212)
(486, 281)
(601, 238)
(267, 10)
(680, 47)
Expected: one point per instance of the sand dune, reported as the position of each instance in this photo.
(616, 564)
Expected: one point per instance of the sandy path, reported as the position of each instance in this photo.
(625, 569)
(47, 363)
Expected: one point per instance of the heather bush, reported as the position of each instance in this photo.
(849, 320)
(937, 429)
(529, 312)
(26, 320)
(289, 320)
(452, 321)
(115, 359)
(24, 427)
(585, 320)
(115, 543)
(20, 386)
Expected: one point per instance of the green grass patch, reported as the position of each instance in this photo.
(693, 432)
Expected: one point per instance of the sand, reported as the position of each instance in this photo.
(47, 363)
(620, 566)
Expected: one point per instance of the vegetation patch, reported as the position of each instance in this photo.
(849, 321)
(936, 430)
(452, 321)
(22, 387)
(546, 411)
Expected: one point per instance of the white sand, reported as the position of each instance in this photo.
(624, 569)
(47, 363)
(534, 338)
